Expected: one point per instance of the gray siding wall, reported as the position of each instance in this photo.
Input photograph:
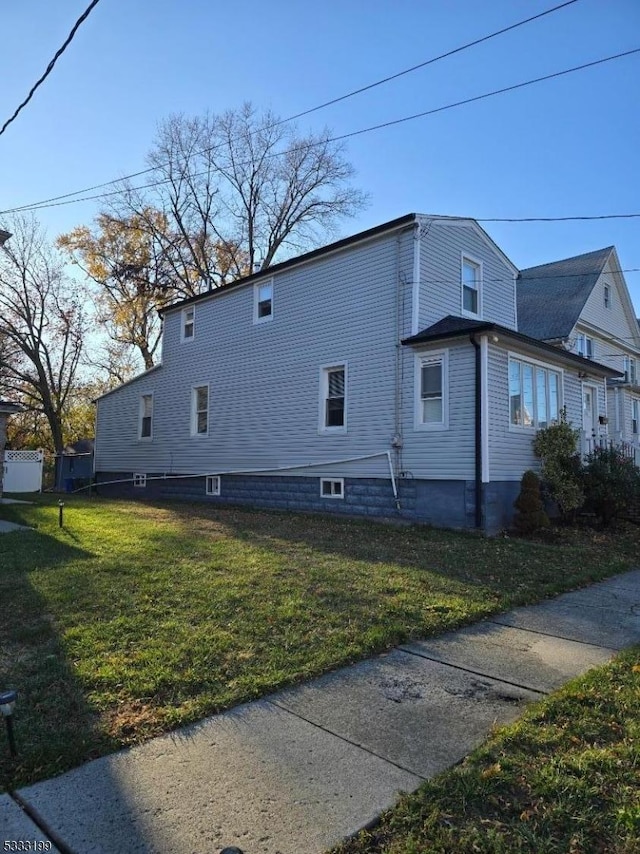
(441, 248)
(441, 454)
(614, 320)
(510, 449)
(264, 378)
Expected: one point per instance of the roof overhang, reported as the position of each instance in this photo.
(502, 335)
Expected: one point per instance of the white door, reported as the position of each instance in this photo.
(589, 415)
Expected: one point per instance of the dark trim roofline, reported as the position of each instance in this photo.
(8, 407)
(406, 220)
(483, 327)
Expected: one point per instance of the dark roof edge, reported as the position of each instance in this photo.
(516, 336)
(391, 225)
(128, 382)
(530, 274)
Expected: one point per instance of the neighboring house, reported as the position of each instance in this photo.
(583, 305)
(382, 375)
(6, 409)
(73, 464)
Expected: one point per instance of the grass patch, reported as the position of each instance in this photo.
(564, 779)
(136, 618)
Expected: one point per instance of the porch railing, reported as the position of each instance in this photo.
(590, 443)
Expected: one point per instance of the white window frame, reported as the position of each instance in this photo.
(336, 487)
(584, 343)
(635, 416)
(607, 296)
(141, 416)
(535, 363)
(256, 301)
(325, 370)
(474, 262)
(212, 484)
(186, 322)
(421, 359)
(630, 368)
(139, 480)
(194, 411)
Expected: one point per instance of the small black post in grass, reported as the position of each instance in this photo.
(60, 514)
(7, 705)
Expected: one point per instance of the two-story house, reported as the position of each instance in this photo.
(583, 304)
(380, 375)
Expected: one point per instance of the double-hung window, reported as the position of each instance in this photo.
(146, 416)
(534, 395)
(471, 287)
(333, 399)
(200, 410)
(607, 296)
(585, 346)
(635, 416)
(188, 323)
(263, 301)
(630, 370)
(431, 391)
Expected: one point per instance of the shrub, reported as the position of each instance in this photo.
(531, 515)
(557, 446)
(611, 483)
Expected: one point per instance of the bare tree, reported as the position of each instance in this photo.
(41, 324)
(239, 191)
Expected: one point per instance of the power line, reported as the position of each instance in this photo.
(393, 123)
(312, 109)
(49, 67)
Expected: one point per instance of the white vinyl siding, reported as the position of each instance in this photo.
(263, 301)
(146, 417)
(607, 296)
(200, 410)
(534, 395)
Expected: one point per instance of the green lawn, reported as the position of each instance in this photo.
(564, 779)
(136, 618)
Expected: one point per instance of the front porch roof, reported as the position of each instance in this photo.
(452, 327)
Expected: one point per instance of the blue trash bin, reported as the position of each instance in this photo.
(68, 484)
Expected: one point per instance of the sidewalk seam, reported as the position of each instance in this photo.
(474, 672)
(559, 637)
(40, 823)
(346, 740)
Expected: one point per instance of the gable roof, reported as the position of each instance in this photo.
(552, 296)
(460, 327)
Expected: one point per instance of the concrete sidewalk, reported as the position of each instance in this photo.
(298, 771)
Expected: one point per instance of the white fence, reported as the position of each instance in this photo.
(22, 471)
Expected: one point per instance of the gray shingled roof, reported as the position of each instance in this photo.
(458, 327)
(551, 296)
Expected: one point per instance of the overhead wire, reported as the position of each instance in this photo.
(316, 108)
(51, 65)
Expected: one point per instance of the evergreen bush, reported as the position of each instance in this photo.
(530, 514)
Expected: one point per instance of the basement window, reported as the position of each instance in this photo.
(213, 484)
(332, 487)
(140, 481)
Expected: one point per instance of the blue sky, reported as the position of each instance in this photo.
(563, 147)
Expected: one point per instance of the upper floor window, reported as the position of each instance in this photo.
(262, 301)
(585, 346)
(534, 395)
(471, 286)
(200, 410)
(333, 399)
(188, 323)
(146, 416)
(607, 296)
(630, 370)
(431, 391)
